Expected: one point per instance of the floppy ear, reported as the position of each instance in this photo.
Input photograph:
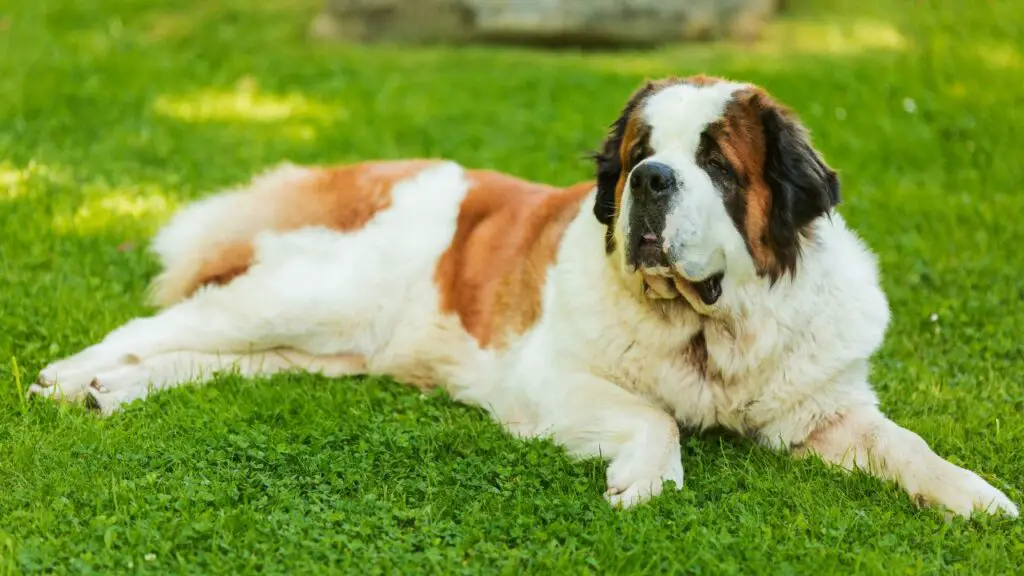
(803, 187)
(609, 161)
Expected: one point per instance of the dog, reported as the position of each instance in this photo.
(704, 279)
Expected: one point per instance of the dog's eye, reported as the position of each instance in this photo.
(637, 155)
(719, 164)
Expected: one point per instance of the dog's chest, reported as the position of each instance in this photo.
(689, 383)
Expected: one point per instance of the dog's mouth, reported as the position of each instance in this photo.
(663, 282)
(709, 290)
(662, 287)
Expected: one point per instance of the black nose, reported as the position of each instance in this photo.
(652, 179)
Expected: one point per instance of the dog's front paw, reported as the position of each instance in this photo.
(637, 478)
(962, 493)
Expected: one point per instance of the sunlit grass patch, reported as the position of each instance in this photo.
(837, 37)
(246, 102)
(779, 43)
(139, 208)
(999, 55)
(19, 182)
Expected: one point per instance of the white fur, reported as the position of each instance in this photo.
(603, 370)
(678, 114)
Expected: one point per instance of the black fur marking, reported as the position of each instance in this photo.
(802, 186)
(609, 164)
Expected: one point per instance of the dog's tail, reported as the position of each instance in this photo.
(210, 240)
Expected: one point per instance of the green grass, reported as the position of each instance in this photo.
(114, 112)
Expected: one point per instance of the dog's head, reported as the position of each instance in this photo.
(700, 180)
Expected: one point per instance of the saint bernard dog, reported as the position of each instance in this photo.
(704, 279)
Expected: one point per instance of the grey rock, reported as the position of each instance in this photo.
(642, 22)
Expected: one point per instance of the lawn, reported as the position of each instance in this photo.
(115, 112)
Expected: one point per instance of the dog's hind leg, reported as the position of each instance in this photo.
(242, 322)
(314, 287)
(108, 391)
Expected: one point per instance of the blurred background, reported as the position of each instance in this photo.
(551, 22)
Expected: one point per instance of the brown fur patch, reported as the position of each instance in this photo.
(700, 80)
(226, 263)
(507, 235)
(346, 197)
(741, 138)
(696, 353)
(342, 198)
